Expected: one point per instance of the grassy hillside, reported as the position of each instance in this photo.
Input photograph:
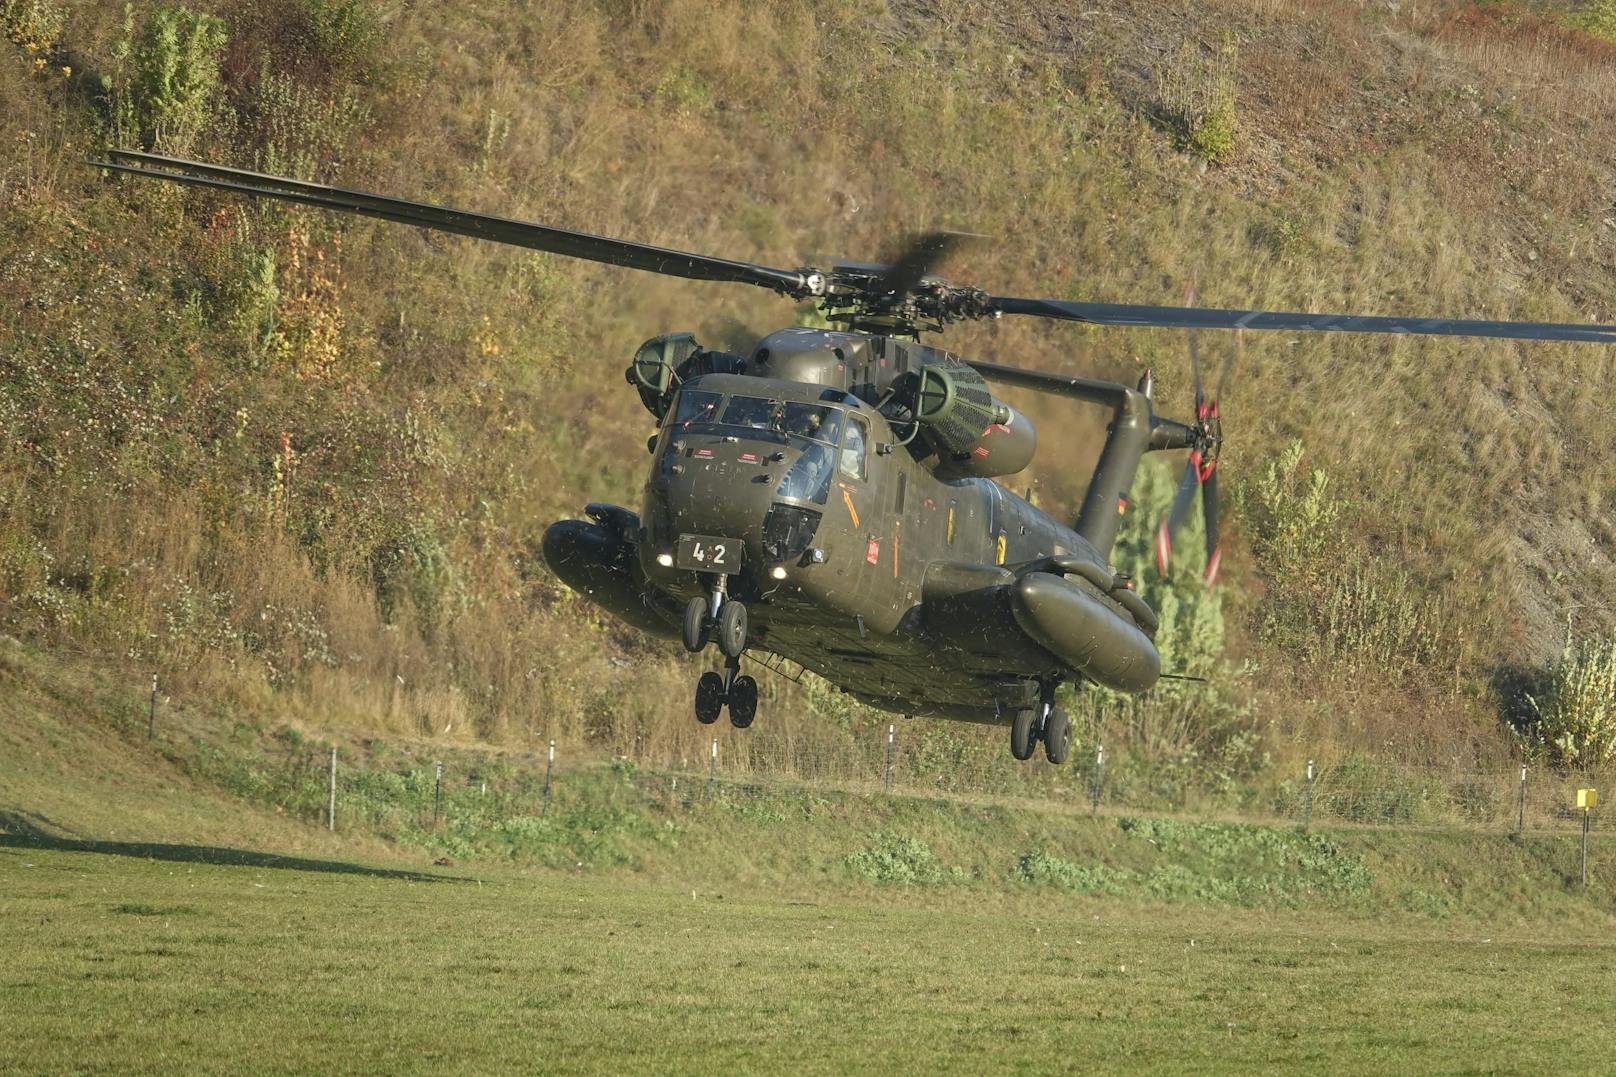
(86, 776)
(300, 465)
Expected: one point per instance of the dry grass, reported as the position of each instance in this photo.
(1446, 160)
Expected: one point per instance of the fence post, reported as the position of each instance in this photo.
(1307, 798)
(437, 792)
(712, 769)
(549, 772)
(1099, 776)
(151, 710)
(891, 733)
(1585, 848)
(1520, 823)
(331, 806)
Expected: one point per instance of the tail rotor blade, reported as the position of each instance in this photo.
(1230, 361)
(1209, 511)
(1177, 514)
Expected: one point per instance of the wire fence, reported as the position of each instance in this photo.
(1354, 790)
(397, 794)
(404, 797)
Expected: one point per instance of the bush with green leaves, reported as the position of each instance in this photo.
(1597, 17)
(1290, 515)
(1574, 714)
(897, 859)
(163, 90)
(1045, 869)
(35, 25)
(1195, 99)
(303, 132)
(1198, 729)
(1329, 602)
(346, 31)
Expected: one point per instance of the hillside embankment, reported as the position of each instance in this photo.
(85, 773)
(299, 466)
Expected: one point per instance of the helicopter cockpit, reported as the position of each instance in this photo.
(814, 440)
(813, 428)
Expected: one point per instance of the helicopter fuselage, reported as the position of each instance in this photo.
(917, 593)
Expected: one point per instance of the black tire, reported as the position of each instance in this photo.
(1024, 733)
(732, 628)
(696, 627)
(709, 698)
(742, 702)
(1057, 737)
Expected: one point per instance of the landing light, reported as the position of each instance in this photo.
(665, 559)
(778, 572)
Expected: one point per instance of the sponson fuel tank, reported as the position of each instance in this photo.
(1084, 632)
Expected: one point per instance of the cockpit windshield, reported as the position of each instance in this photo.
(817, 422)
(696, 406)
(755, 412)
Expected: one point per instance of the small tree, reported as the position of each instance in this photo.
(1576, 710)
(163, 88)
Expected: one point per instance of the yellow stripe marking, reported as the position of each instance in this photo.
(851, 511)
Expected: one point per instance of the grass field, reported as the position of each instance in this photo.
(160, 914)
(149, 956)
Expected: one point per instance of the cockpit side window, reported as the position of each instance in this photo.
(815, 421)
(809, 477)
(853, 447)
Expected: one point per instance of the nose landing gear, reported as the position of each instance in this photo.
(719, 612)
(715, 692)
(733, 689)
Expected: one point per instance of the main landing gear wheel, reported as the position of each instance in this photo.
(732, 629)
(696, 627)
(1057, 736)
(742, 702)
(709, 697)
(1023, 733)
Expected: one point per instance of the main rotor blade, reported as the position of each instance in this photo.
(1206, 318)
(593, 248)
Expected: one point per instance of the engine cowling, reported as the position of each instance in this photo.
(973, 434)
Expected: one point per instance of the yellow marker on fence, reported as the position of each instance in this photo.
(1587, 798)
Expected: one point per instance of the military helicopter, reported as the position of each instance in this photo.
(829, 498)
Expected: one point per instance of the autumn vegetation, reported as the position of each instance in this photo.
(299, 465)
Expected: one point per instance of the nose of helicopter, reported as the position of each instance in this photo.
(713, 488)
